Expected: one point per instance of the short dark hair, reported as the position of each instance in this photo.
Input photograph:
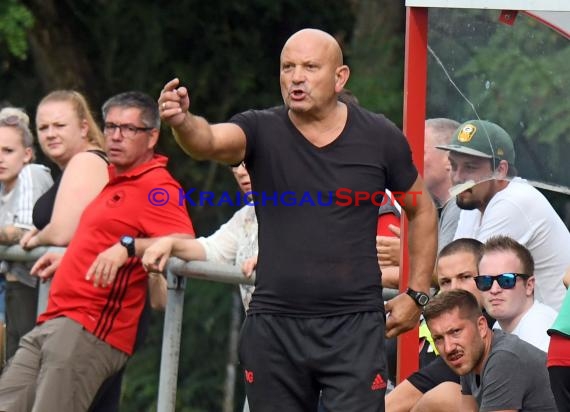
(139, 100)
(508, 244)
(464, 244)
(445, 302)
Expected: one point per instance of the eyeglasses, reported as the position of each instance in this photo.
(505, 280)
(240, 164)
(127, 130)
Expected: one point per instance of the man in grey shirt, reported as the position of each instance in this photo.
(499, 371)
(437, 176)
(437, 179)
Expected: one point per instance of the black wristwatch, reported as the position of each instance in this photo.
(129, 243)
(420, 298)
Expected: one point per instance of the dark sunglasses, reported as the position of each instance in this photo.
(505, 280)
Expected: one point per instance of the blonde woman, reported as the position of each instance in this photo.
(21, 183)
(69, 136)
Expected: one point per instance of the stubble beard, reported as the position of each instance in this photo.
(467, 204)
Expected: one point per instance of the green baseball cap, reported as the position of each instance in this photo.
(482, 139)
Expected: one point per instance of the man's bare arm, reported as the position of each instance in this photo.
(422, 236)
(422, 242)
(224, 142)
(10, 235)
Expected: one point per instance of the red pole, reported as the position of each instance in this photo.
(415, 78)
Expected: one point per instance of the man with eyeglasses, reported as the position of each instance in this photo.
(498, 370)
(99, 287)
(506, 281)
(496, 202)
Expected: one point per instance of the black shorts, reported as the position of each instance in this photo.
(432, 375)
(288, 362)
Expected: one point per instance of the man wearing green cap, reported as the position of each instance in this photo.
(495, 202)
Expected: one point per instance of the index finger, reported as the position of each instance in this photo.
(392, 329)
(162, 262)
(93, 272)
(171, 85)
(38, 265)
(394, 229)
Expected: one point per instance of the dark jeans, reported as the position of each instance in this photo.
(21, 313)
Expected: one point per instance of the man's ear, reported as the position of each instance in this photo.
(482, 326)
(502, 169)
(342, 74)
(153, 139)
(529, 286)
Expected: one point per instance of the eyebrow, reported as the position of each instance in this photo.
(454, 275)
(467, 272)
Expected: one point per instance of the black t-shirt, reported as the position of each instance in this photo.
(317, 250)
(43, 208)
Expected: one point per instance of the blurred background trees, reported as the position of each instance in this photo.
(228, 54)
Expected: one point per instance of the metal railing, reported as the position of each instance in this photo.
(176, 272)
(17, 254)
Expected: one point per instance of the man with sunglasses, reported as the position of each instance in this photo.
(495, 202)
(435, 386)
(506, 282)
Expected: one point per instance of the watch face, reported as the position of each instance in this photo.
(423, 299)
(129, 243)
(127, 240)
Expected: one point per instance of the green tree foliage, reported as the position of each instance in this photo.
(513, 75)
(15, 20)
(376, 57)
(227, 53)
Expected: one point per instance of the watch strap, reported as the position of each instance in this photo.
(129, 243)
(420, 298)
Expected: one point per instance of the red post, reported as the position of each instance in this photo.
(415, 78)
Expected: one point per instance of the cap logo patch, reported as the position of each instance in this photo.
(466, 134)
(500, 152)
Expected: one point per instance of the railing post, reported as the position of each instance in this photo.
(43, 292)
(171, 343)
